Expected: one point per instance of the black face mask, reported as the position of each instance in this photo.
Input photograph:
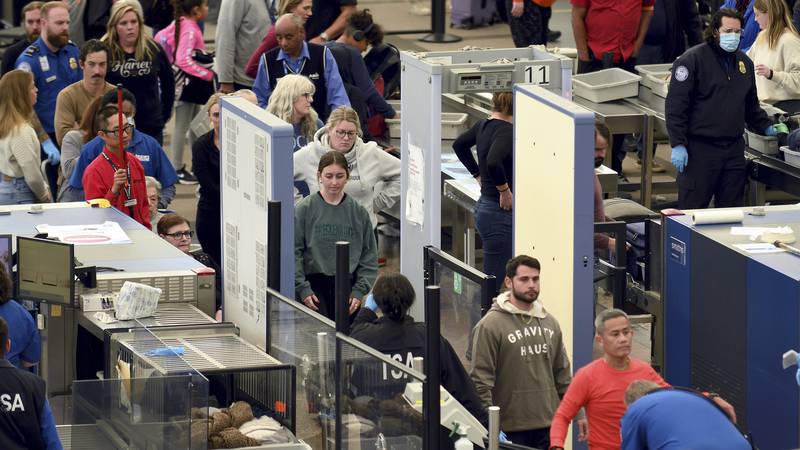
(598, 162)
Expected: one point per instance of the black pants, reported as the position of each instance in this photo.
(593, 65)
(51, 170)
(538, 438)
(209, 233)
(324, 287)
(531, 27)
(715, 169)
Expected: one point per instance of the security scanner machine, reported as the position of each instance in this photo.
(732, 303)
(62, 277)
(453, 80)
(256, 192)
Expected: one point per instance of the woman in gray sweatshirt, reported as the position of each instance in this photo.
(321, 220)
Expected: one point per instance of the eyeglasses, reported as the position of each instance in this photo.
(181, 234)
(343, 133)
(127, 129)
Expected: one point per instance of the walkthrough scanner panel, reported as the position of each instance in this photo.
(454, 72)
(46, 271)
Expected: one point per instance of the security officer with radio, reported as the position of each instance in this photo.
(712, 95)
(53, 61)
(26, 421)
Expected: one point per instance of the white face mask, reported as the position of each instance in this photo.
(132, 121)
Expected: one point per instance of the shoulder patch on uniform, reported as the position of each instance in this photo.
(742, 67)
(24, 66)
(33, 48)
(681, 73)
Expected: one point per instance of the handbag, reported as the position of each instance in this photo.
(191, 89)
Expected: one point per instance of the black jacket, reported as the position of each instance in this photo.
(674, 23)
(22, 397)
(12, 53)
(712, 94)
(404, 340)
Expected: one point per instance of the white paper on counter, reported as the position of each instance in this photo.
(108, 232)
(415, 211)
(714, 216)
(758, 248)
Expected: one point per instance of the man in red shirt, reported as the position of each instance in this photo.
(114, 175)
(610, 33)
(600, 386)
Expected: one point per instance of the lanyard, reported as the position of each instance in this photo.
(127, 187)
(288, 69)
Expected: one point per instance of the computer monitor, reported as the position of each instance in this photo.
(6, 252)
(45, 271)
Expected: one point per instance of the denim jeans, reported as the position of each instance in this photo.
(15, 192)
(494, 225)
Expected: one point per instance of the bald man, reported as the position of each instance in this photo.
(296, 56)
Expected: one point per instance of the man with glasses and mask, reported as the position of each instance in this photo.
(712, 95)
(116, 175)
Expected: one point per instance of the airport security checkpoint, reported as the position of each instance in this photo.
(554, 241)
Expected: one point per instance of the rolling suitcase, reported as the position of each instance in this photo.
(473, 13)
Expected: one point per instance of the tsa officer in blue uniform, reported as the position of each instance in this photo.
(53, 61)
(26, 420)
(712, 96)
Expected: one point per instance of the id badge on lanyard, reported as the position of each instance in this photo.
(129, 201)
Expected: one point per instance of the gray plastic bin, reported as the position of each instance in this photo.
(767, 145)
(606, 85)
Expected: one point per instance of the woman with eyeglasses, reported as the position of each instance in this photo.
(175, 229)
(291, 101)
(21, 179)
(375, 173)
(321, 220)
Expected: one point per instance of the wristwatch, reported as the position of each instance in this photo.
(324, 36)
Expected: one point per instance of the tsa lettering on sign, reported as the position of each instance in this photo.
(11, 404)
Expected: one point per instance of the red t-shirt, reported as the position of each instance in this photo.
(601, 389)
(612, 25)
(99, 177)
(269, 42)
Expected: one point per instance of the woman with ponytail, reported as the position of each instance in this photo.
(183, 42)
(385, 325)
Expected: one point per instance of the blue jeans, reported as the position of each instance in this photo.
(494, 225)
(15, 192)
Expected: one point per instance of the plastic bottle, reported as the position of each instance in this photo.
(463, 443)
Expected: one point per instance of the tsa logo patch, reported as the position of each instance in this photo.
(681, 73)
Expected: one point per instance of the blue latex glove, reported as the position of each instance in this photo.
(370, 303)
(503, 438)
(680, 157)
(798, 377)
(773, 130)
(53, 155)
(165, 351)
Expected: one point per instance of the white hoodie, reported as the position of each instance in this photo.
(374, 174)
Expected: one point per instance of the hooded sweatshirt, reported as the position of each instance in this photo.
(519, 363)
(374, 174)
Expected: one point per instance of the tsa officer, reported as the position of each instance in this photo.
(53, 61)
(26, 421)
(712, 95)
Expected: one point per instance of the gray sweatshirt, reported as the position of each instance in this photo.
(519, 363)
(374, 174)
(241, 26)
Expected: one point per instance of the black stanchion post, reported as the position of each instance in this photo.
(433, 370)
(437, 25)
(342, 325)
(488, 294)
(273, 259)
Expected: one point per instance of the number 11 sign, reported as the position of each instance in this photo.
(538, 74)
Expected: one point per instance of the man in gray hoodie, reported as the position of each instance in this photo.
(519, 361)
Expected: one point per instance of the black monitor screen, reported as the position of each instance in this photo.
(45, 271)
(5, 252)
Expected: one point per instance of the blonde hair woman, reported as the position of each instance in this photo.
(138, 63)
(20, 162)
(291, 101)
(375, 174)
(776, 56)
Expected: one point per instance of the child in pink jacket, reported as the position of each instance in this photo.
(182, 40)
